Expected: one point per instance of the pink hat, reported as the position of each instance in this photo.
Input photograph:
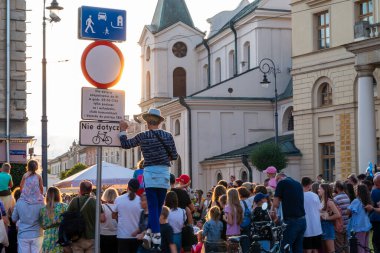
(270, 170)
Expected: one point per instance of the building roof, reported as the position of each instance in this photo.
(241, 14)
(286, 143)
(168, 13)
(288, 92)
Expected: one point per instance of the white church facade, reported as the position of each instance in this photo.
(208, 86)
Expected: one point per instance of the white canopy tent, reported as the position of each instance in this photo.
(112, 174)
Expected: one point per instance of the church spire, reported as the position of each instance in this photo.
(170, 12)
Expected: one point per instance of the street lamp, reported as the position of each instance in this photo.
(54, 7)
(267, 66)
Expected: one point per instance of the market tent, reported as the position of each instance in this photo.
(112, 174)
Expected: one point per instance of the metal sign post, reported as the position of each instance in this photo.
(98, 192)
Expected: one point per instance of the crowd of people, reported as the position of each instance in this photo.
(161, 213)
(319, 215)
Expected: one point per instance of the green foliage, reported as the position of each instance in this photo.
(62, 175)
(77, 168)
(268, 154)
(17, 171)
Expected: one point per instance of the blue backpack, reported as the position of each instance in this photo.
(246, 218)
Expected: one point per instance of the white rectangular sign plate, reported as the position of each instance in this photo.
(104, 134)
(102, 104)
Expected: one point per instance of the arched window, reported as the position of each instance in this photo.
(147, 54)
(288, 120)
(205, 74)
(179, 82)
(219, 176)
(177, 127)
(218, 70)
(148, 94)
(326, 94)
(246, 64)
(163, 126)
(244, 176)
(231, 63)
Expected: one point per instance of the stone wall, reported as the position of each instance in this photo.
(315, 124)
(17, 67)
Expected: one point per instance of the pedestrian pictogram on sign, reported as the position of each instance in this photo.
(102, 24)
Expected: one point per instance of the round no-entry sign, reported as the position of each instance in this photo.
(102, 64)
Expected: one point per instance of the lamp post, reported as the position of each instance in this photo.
(267, 66)
(54, 6)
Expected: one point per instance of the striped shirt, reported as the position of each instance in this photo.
(343, 201)
(152, 149)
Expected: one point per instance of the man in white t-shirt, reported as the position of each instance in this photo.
(312, 241)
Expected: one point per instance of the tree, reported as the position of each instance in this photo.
(17, 172)
(77, 168)
(268, 154)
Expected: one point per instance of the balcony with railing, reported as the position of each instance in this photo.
(365, 30)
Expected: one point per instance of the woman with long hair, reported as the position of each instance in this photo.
(176, 219)
(50, 218)
(360, 222)
(127, 212)
(349, 189)
(218, 191)
(233, 213)
(329, 213)
(108, 226)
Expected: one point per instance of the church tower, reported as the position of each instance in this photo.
(168, 56)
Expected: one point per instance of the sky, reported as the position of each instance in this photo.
(63, 53)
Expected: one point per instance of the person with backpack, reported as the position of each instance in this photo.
(86, 206)
(158, 149)
(245, 225)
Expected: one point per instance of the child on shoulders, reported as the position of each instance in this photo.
(31, 185)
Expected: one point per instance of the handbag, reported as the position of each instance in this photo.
(3, 233)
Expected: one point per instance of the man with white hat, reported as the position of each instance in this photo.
(158, 149)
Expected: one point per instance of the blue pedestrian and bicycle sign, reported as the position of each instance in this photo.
(102, 24)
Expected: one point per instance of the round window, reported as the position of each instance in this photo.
(179, 49)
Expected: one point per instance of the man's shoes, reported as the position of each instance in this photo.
(147, 240)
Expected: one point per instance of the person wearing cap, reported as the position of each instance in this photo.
(184, 183)
(127, 212)
(271, 172)
(260, 215)
(158, 149)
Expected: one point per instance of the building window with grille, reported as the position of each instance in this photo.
(366, 11)
(328, 161)
(323, 29)
(326, 94)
